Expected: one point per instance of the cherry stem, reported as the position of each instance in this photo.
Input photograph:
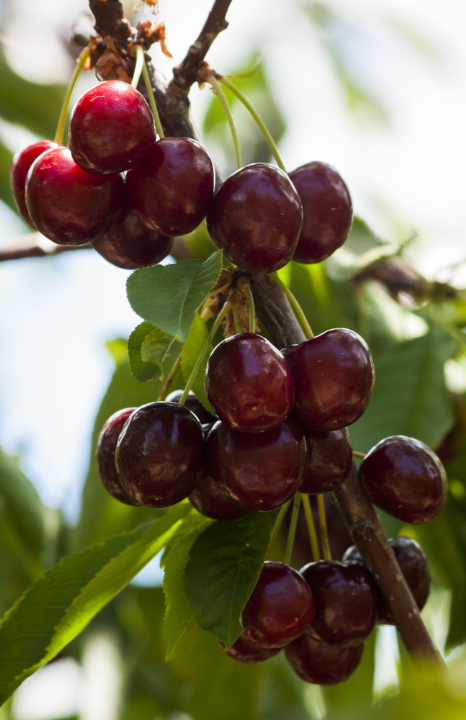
(295, 305)
(226, 308)
(236, 319)
(64, 109)
(221, 96)
(323, 527)
(252, 312)
(277, 525)
(150, 92)
(169, 380)
(262, 126)
(292, 530)
(311, 527)
(357, 454)
(138, 67)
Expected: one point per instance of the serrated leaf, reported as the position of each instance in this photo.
(223, 568)
(195, 341)
(63, 601)
(169, 295)
(142, 371)
(156, 347)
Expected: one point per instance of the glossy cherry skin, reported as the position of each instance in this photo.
(330, 459)
(248, 383)
(321, 664)
(243, 650)
(173, 188)
(255, 218)
(259, 471)
(69, 205)
(111, 128)
(193, 404)
(333, 377)
(346, 599)
(20, 165)
(208, 500)
(280, 609)
(414, 566)
(105, 455)
(405, 478)
(327, 211)
(130, 244)
(159, 455)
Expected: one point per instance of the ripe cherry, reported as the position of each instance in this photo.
(105, 455)
(330, 459)
(280, 608)
(208, 500)
(245, 651)
(334, 378)
(193, 404)
(173, 188)
(159, 454)
(259, 471)
(259, 393)
(69, 205)
(321, 664)
(20, 165)
(255, 218)
(111, 128)
(405, 478)
(327, 211)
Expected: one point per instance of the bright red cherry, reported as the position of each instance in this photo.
(280, 609)
(405, 478)
(20, 165)
(173, 188)
(259, 471)
(243, 650)
(334, 378)
(69, 205)
(211, 502)
(159, 455)
(111, 128)
(248, 383)
(193, 404)
(105, 455)
(255, 218)
(327, 211)
(321, 664)
(330, 459)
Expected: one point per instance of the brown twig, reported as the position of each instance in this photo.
(110, 20)
(35, 245)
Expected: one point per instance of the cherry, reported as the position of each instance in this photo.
(259, 471)
(20, 165)
(130, 244)
(345, 597)
(414, 566)
(255, 218)
(327, 211)
(405, 478)
(111, 128)
(259, 393)
(159, 454)
(211, 502)
(245, 651)
(330, 460)
(173, 188)
(334, 378)
(321, 664)
(67, 204)
(193, 404)
(105, 455)
(280, 608)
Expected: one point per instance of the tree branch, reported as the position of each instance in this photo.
(35, 245)
(110, 20)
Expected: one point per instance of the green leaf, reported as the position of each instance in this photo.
(195, 341)
(148, 347)
(223, 569)
(65, 599)
(169, 295)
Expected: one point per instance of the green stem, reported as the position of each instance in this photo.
(357, 454)
(64, 110)
(138, 67)
(169, 380)
(295, 305)
(262, 126)
(292, 531)
(221, 96)
(277, 525)
(311, 527)
(323, 527)
(150, 92)
(236, 319)
(226, 308)
(252, 312)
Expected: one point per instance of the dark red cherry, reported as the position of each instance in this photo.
(346, 598)
(105, 455)
(259, 471)
(20, 165)
(280, 608)
(243, 650)
(173, 188)
(255, 218)
(414, 566)
(330, 459)
(211, 502)
(327, 211)
(159, 455)
(130, 244)
(193, 404)
(111, 128)
(69, 205)
(321, 664)
(334, 378)
(248, 383)
(405, 478)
